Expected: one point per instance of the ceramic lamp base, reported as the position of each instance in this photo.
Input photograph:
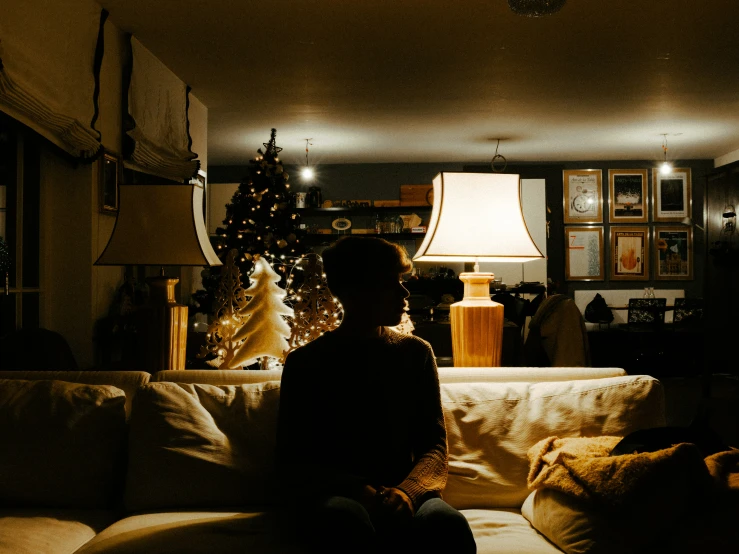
(477, 324)
(167, 327)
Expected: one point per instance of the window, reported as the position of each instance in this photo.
(20, 201)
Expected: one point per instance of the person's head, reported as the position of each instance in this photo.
(365, 274)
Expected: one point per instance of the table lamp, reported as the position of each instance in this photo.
(477, 217)
(161, 225)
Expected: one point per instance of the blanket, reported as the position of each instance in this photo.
(584, 469)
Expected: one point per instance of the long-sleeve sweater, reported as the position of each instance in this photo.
(362, 411)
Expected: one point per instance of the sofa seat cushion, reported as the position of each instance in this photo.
(201, 446)
(506, 531)
(491, 426)
(62, 445)
(191, 532)
(52, 531)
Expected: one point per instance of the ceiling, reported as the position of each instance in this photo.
(432, 80)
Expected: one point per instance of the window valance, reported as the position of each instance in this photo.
(50, 56)
(157, 121)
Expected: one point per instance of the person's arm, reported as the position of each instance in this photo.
(429, 474)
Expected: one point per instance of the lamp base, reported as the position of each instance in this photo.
(167, 327)
(477, 324)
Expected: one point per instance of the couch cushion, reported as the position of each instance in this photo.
(50, 531)
(62, 444)
(191, 532)
(506, 531)
(127, 381)
(201, 446)
(491, 426)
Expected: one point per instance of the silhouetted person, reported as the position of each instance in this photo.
(362, 448)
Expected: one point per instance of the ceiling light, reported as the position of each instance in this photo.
(307, 173)
(535, 8)
(498, 159)
(666, 167)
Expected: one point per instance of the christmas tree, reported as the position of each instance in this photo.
(260, 220)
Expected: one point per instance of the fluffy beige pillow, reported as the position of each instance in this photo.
(202, 446)
(61, 444)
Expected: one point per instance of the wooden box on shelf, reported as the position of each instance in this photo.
(416, 195)
(386, 203)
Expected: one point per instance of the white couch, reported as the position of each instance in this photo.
(198, 473)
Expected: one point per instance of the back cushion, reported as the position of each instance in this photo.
(202, 446)
(61, 444)
(491, 426)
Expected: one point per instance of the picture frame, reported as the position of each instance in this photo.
(673, 253)
(583, 195)
(627, 195)
(671, 195)
(629, 254)
(584, 259)
(108, 179)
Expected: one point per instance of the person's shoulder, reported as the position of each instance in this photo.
(314, 348)
(407, 342)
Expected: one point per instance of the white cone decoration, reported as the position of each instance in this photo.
(265, 331)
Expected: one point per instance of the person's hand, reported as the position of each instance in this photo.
(395, 504)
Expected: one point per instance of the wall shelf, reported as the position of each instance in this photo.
(358, 210)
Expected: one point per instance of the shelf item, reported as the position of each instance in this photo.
(417, 195)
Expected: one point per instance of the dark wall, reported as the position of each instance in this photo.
(382, 181)
(722, 271)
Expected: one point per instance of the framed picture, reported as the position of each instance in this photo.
(583, 195)
(630, 253)
(671, 195)
(108, 183)
(584, 256)
(673, 253)
(627, 195)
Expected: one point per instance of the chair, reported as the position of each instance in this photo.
(36, 350)
(688, 312)
(646, 310)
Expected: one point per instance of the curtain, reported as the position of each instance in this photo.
(50, 56)
(157, 122)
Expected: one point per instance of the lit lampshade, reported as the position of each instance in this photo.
(161, 225)
(477, 217)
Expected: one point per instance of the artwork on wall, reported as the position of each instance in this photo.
(671, 195)
(583, 195)
(584, 255)
(627, 195)
(673, 253)
(629, 253)
(108, 183)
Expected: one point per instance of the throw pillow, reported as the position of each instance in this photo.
(202, 445)
(62, 444)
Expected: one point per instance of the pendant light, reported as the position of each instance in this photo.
(307, 173)
(665, 168)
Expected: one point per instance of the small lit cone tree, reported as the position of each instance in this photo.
(230, 299)
(264, 330)
(316, 309)
(260, 220)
